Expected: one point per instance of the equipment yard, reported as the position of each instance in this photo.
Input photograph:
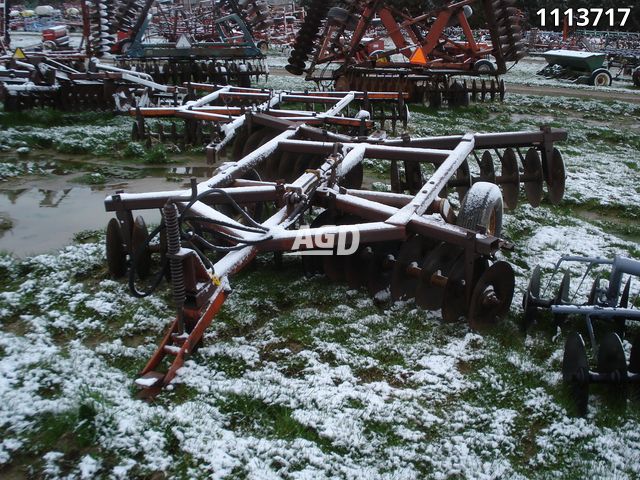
(314, 379)
(202, 341)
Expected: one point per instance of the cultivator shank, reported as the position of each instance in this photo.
(407, 243)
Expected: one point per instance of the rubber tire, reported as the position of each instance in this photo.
(483, 200)
(601, 78)
(484, 67)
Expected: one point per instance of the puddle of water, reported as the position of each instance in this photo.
(47, 206)
(44, 220)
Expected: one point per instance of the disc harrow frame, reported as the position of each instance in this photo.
(392, 236)
(610, 305)
(71, 82)
(224, 111)
(425, 60)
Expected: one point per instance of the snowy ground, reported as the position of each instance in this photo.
(300, 378)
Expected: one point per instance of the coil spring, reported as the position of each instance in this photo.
(170, 213)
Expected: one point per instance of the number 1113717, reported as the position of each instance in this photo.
(585, 17)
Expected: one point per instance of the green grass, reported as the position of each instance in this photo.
(253, 415)
(50, 117)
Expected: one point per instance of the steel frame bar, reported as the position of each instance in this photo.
(230, 119)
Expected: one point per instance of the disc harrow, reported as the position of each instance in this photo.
(396, 245)
(515, 169)
(307, 35)
(99, 31)
(612, 305)
(618, 379)
(204, 43)
(424, 60)
(73, 83)
(214, 115)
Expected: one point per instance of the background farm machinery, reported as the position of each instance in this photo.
(214, 119)
(424, 59)
(406, 243)
(577, 66)
(610, 305)
(209, 43)
(67, 82)
(4, 27)
(212, 42)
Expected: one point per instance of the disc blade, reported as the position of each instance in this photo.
(533, 172)
(531, 296)
(312, 264)
(334, 265)
(454, 305)
(286, 166)
(429, 295)
(611, 361)
(556, 177)
(378, 275)
(403, 285)
(140, 247)
(116, 254)
(487, 169)
(634, 369)
(463, 175)
(575, 371)
(510, 179)
(562, 297)
(594, 293)
(620, 323)
(355, 266)
(492, 296)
